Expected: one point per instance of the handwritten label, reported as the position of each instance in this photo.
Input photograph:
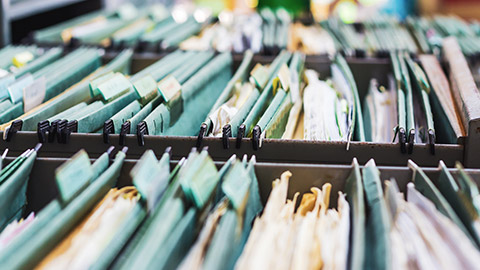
(169, 87)
(34, 94)
(114, 87)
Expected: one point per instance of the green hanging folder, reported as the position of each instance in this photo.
(48, 57)
(423, 88)
(240, 76)
(425, 186)
(183, 114)
(13, 188)
(283, 24)
(183, 68)
(460, 202)
(410, 118)
(152, 38)
(156, 72)
(219, 195)
(53, 34)
(282, 99)
(58, 76)
(128, 253)
(47, 238)
(269, 22)
(177, 243)
(68, 112)
(356, 128)
(401, 102)
(140, 210)
(182, 192)
(48, 213)
(76, 94)
(276, 126)
(10, 113)
(239, 185)
(136, 217)
(266, 95)
(468, 186)
(94, 120)
(182, 33)
(128, 35)
(377, 235)
(355, 198)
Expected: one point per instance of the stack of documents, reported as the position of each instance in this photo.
(179, 218)
(48, 76)
(310, 40)
(59, 86)
(235, 32)
(152, 27)
(435, 226)
(81, 185)
(170, 97)
(311, 236)
(429, 32)
(416, 94)
(197, 215)
(376, 36)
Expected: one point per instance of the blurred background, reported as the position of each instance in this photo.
(20, 17)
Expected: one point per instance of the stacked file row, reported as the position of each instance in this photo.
(195, 94)
(155, 28)
(195, 213)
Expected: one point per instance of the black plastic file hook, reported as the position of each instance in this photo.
(431, 141)
(256, 137)
(240, 135)
(411, 141)
(53, 130)
(14, 127)
(108, 128)
(60, 126)
(201, 134)
(226, 135)
(142, 130)
(124, 130)
(42, 128)
(71, 126)
(402, 139)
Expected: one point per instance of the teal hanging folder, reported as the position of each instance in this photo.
(47, 237)
(356, 199)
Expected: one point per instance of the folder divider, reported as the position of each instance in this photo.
(72, 96)
(349, 179)
(402, 111)
(246, 128)
(259, 131)
(409, 102)
(186, 104)
(240, 75)
(48, 237)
